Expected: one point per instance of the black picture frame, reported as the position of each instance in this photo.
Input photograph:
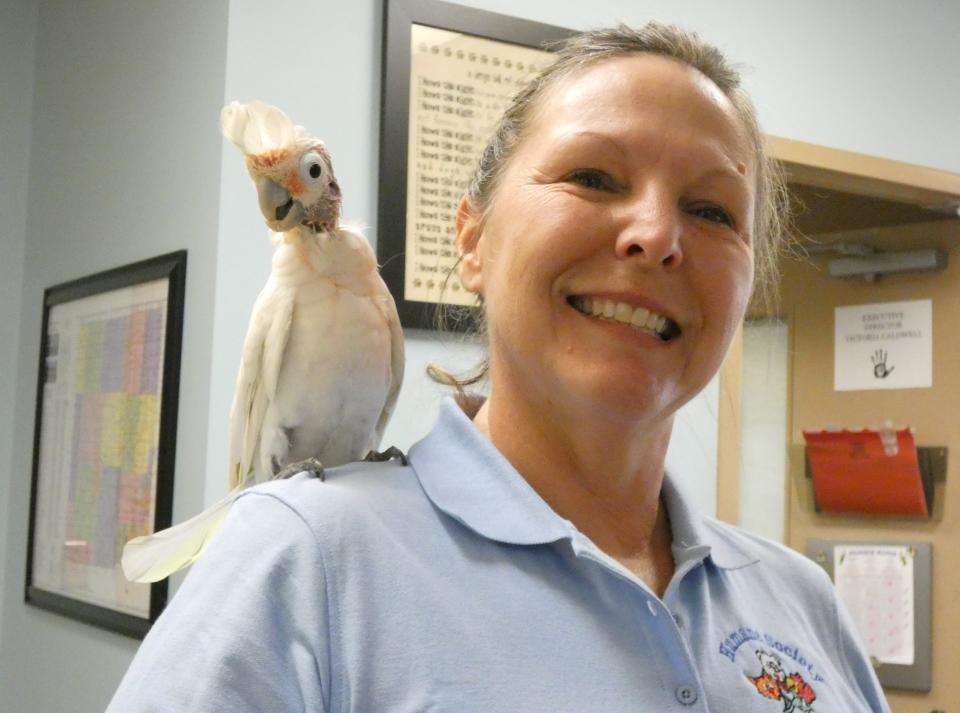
(110, 350)
(399, 16)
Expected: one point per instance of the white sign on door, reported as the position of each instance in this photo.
(883, 346)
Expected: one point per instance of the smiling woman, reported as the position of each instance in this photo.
(533, 554)
(635, 191)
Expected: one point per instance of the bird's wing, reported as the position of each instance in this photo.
(260, 366)
(151, 558)
(397, 358)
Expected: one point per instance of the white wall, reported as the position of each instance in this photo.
(127, 162)
(124, 165)
(874, 76)
(18, 26)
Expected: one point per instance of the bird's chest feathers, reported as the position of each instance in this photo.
(337, 326)
(336, 361)
(312, 264)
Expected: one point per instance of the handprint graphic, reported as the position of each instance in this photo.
(879, 360)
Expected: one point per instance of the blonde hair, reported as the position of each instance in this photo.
(771, 207)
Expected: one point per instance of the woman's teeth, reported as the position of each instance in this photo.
(637, 317)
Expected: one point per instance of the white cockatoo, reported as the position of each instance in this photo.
(323, 357)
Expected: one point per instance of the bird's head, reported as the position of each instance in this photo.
(291, 169)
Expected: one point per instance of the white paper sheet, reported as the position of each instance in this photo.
(459, 86)
(883, 346)
(876, 585)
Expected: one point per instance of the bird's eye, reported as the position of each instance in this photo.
(311, 166)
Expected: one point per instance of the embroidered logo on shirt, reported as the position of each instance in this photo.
(774, 680)
(796, 695)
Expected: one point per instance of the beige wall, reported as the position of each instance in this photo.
(809, 299)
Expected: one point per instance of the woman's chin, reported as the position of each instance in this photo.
(632, 399)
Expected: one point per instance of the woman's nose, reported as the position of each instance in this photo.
(651, 233)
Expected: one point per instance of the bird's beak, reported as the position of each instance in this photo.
(279, 208)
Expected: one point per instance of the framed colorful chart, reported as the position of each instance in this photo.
(448, 74)
(105, 439)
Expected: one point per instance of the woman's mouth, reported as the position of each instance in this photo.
(639, 318)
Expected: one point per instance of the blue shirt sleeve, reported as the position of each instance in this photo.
(247, 631)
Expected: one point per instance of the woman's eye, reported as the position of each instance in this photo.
(715, 214)
(592, 178)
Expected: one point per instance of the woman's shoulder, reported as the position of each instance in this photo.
(775, 559)
(348, 501)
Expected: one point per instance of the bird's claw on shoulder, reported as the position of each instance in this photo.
(389, 454)
(310, 465)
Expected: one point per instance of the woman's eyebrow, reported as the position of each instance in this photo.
(590, 134)
(730, 173)
(724, 167)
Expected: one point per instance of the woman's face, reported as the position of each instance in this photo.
(630, 195)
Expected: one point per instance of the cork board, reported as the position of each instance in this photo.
(809, 297)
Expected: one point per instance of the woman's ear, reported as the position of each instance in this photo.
(469, 235)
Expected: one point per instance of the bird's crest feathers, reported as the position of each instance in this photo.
(257, 128)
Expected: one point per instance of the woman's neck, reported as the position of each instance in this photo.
(605, 478)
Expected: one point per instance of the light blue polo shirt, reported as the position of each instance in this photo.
(449, 585)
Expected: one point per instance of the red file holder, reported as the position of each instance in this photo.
(857, 472)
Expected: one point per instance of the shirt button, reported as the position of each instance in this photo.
(652, 607)
(676, 618)
(687, 695)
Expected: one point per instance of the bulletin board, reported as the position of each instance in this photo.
(886, 588)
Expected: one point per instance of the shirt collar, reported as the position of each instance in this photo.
(465, 476)
(696, 536)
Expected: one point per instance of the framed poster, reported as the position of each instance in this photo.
(448, 74)
(105, 439)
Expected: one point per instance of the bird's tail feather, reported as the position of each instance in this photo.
(151, 558)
